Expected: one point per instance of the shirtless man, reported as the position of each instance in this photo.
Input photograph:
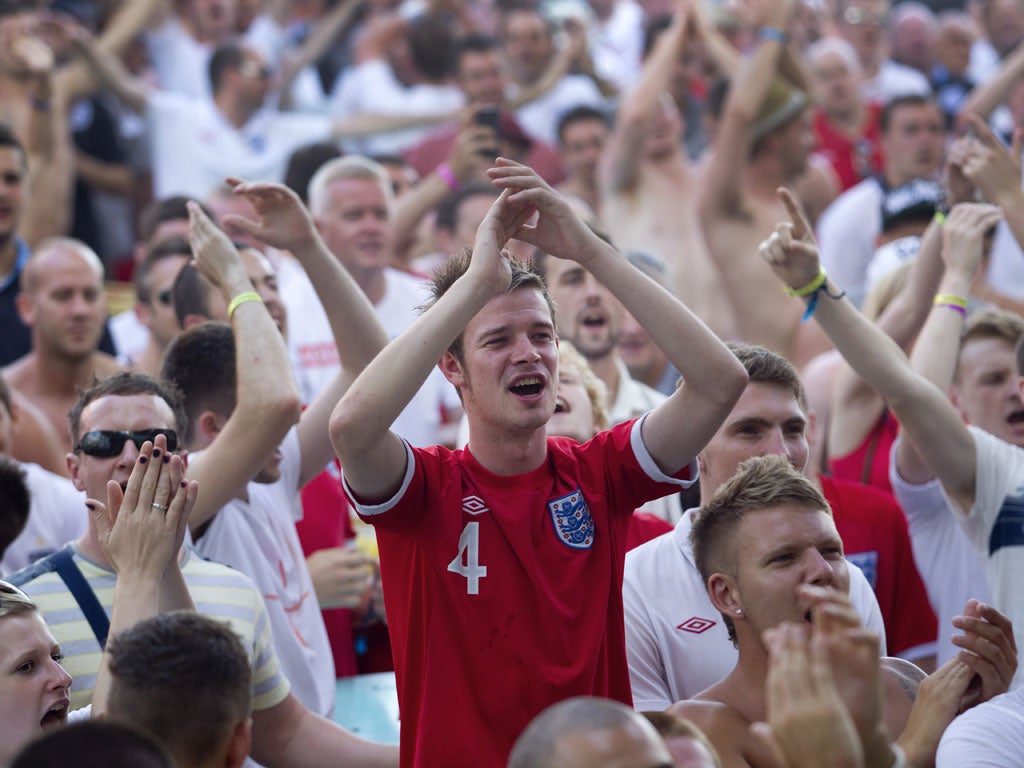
(762, 142)
(62, 301)
(650, 190)
(769, 552)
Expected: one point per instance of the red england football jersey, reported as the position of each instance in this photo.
(504, 594)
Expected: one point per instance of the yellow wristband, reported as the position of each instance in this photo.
(240, 299)
(947, 299)
(811, 287)
(939, 218)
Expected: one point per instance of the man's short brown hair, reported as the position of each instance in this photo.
(125, 384)
(992, 323)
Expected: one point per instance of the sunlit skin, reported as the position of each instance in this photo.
(509, 374)
(776, 550)
(33, 685)
(627, 746)
(766, 421)
(913, 143)
(588, 314)
(65, 304)
(987, 389)
(574, 413)
(481, 77)
(355, 224)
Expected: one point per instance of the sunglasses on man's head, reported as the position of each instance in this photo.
(105, 443)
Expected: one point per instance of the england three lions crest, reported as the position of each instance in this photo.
(574, 524)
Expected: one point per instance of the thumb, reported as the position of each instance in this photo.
(1016, 144)
(101, 518)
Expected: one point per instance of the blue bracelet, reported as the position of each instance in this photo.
(773, 33)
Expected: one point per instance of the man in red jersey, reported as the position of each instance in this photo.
(502, 563)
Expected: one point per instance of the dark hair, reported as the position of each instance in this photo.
(174, 208)
(579, 114)
(304, 163)
(759, 483)
(474, 43)
(94, 744)
(183, 677)
(906, 100)
(125, 384)
(175, 245)
(201, 363)
(430, 38)
(8, 138)
(227, 56)
(447, 216)
(14, 501)
(191, 294)
(764, 366)
(523, 276)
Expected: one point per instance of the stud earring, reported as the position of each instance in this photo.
(739, 611)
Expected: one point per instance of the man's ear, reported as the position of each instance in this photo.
(26, 308)
(72, 461)
(193, 319)
(208, 426)
(724, 594)
(452, 370)
(954, 398)
(240, 744)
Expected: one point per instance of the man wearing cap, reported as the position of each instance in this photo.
(906, 213)
(913, 139)
(763, 142)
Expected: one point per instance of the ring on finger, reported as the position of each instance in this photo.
(161, 507)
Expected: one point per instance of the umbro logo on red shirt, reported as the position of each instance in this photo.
(474, 505)
(696, 625)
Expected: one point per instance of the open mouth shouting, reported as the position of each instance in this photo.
(56, 715)
(528, 386)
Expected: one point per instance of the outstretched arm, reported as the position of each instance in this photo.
(713, 379)
(373, 457)
(724, 173)
(923, 410)
(266, 403)
(285, 223)
(938, 347)
(855, 406)
(622, 154)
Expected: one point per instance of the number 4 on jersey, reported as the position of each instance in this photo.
(469, 545)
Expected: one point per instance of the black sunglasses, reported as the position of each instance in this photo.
(105, 443)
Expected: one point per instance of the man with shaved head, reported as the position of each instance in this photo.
(62, 302)
(585, 731)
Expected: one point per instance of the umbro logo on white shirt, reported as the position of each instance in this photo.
(474, 505)
(696, 625)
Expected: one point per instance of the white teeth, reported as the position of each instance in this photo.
(528, 381)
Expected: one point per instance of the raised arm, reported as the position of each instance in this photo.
(624, 150)
(996, 171)
(856, 407)
(266, 403)
(285, 223)
(373, 457)
(721, 194)
(110, 73)
(936, 352)
(680, 427)
(923, 410)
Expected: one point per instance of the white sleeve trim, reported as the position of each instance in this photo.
(385, 506)
(649, 465)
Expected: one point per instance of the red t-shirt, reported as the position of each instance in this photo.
(853, 159)
(868, 463)
(504, 594)
(875, 538)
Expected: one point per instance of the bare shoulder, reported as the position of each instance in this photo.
(725, 728)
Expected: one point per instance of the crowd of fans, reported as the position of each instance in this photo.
(452, 338)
